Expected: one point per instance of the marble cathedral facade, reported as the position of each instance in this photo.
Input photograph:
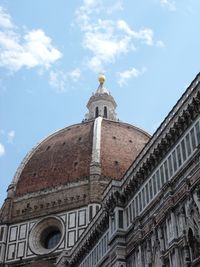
(150, 217)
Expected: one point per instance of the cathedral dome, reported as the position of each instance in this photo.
(58, 188)
(101, 145)
(66, 156)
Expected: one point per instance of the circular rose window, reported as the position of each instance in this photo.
(46, 235)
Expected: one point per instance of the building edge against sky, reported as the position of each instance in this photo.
(72, 188)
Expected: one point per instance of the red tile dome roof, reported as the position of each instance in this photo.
(65, 156)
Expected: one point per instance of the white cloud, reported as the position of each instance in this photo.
(160, 43)
(2, 150)
(105, 46)
(60, 79)
(107, 39)
(5, 19)
(145, 34)
(30, 50)
(57, 81)
(128, 74)
(170, 4)
(74, 74)
(115, 6)
(89, 3)
(11, 136)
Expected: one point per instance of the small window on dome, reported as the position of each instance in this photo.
(105, 113)
(97, 112)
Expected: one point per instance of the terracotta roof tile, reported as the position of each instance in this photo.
(120, 145)
(65, 156)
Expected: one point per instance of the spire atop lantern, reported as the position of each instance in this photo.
(102, 89)
(101, 104)
(101, 78)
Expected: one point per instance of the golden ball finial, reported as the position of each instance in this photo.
(101, 78)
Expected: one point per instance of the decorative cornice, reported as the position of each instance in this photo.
(105, 96)
(191, 96)
(170, 130)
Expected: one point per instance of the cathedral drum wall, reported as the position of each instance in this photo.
(53, 200)
(47, 235)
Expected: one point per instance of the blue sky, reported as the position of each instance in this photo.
(52, 51)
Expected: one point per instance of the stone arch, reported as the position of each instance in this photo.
(193, 244)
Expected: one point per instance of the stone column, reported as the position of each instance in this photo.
(149, 254)
(175, 235)
(173, 220)
(140, 255)
(186, 255)
(177, 260)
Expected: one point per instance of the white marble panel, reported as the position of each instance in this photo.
(81, 217)
(71, 238)
(80, 231)
(1, 233)
(72, 220)
(2, 251)
(11, 252)
(13, 233)
(22, 231)
(20, 249)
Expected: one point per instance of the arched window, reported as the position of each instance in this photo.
(97, 112)
(194, 244)
(105, 113)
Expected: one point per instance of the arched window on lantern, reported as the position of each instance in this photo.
(105, 113)
(97, 112)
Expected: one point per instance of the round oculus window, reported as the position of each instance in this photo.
(46, 235)
(50, 237)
